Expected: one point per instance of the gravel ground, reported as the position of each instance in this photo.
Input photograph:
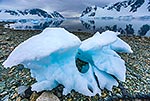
(136, 86)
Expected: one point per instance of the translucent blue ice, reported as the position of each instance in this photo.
(101, 53)
(51, 57)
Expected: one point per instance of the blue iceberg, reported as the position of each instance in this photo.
(51, 57)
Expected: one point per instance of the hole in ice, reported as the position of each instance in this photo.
(82, 66)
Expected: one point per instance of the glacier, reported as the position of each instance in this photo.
(51, 57)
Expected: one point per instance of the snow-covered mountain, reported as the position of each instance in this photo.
(55, 14)
(12, 15)
(127, 9)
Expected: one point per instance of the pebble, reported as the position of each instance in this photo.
(11, 70)
(3, 93)
(6, 98)
(2, 86)
(119, 95)
(104, 95)
(18, 99)
(47, 96)
(34, 96)
(8, 39)
(14, 96)
(4, 32)
(24, 99)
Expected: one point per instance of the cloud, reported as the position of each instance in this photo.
(65, 7)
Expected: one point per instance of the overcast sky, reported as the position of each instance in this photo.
(66, 7)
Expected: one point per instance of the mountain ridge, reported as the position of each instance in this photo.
(34, 13)
(128, 8)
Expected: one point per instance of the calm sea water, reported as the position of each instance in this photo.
(127, 26)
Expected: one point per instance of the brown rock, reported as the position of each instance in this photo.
(18, 99)
(47, 96)
(14, 96)
(34, 96)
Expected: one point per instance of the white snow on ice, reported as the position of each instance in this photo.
(51, 57)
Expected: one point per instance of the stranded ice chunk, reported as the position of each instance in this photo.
(51, 58)
(99, 51)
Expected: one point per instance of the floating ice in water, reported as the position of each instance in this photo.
(51, 57)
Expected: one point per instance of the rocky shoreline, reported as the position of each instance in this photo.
(136, 86)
